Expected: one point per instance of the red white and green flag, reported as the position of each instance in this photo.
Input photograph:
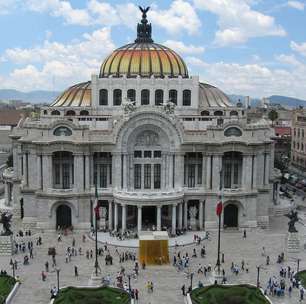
(219, 208)
(96, 208)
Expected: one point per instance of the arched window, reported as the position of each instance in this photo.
(45, 112)
(103, 97)
(218, 113)
(232, 131)
(70, 113)
(145, 97)
(205, 113)
(117, 97)
(55, 112)
(131, 95)
(159, 97)
(84, 113)
(173, 96)
(233, 113)
(186, 98)
(62, 131)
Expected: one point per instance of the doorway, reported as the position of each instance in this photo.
(63, 217)
(230, 216)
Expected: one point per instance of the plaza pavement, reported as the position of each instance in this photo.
(167, 280)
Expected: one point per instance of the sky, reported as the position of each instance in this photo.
(250, 47)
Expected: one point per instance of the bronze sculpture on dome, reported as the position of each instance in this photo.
(144, 30)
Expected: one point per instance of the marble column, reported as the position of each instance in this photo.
(158, 224)
(267, 175)
(110, 215)
(139, 218)
(180, 216)
(217, 159)
(87, 172)
(125, 171)
(204, 174)
(47, 172)
(208, 172)
(123, 218)
(39, 177)
(255, 172)
(201, 215)
(116, 217)
(173, 219)
(186, 215)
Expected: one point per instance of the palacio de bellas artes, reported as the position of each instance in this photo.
(146, 175)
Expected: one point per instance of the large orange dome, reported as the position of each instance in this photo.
(145, 59)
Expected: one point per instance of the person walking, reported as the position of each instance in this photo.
(43, 276)
(76, 274)
(183, 288)
(244, 234)
(47, 266)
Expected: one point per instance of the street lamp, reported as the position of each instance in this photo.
(13, 267)
(130, 288)
(57, 276)
(258, 271)
(191, 278)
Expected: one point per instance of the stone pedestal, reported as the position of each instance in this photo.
(6, 245)
(293, 244)
(95, 280)
(217, 277)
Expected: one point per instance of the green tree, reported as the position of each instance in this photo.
(273, 115)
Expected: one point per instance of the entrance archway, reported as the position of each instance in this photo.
(63, 216)
(148, 217)
(230, 216)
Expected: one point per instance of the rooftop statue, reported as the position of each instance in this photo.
(144, 30)
(6, 222)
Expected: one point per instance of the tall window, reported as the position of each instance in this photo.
(117, 96)
(131, 95)
(191, 176)
(232, 169)
(145, 97)
(147, 176)
(173, 96)
(137, 176)
(103, 97)
(63, 175)
(157, 176)
(103, 176)
(186, 98)
(159, 97)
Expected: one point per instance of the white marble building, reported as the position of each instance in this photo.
(160, 146)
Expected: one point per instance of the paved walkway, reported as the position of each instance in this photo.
(167, 280)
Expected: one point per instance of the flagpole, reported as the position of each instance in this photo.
(96, 229)
(219, 228)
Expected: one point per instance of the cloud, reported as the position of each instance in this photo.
(297, 5)
(180, 16)
(287, 59)
(253, 79)
(6, 6)
(59, 8)
(182, 48)
(64, 63)
(299, 48)
(238, 22)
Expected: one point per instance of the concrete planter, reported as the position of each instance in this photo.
(189, 301)
(11, 295)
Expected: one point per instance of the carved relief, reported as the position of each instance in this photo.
(147, 138)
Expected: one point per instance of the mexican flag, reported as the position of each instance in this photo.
(219, 208)
(96, 208)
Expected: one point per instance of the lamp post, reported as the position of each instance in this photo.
(219, 212)
(258, 272)
(96, 229)
(13, 267)
(57, 276)
(130, 288)
(191, 278)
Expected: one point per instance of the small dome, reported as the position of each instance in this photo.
(210, 96)
(144, 59)
(78, 95)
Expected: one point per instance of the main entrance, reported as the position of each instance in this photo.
(148, 217)
(63, 217)
(230, 216)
